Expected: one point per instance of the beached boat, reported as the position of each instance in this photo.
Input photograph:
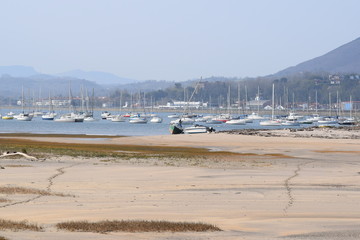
(176, 128)
(198, 129)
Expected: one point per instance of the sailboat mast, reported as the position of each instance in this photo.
(316, 107)
(246, 98)
(329, 103)
(258, 100)
(273, 102)
(239, 105)
(228, 100)
(22, 99)
(351, 107)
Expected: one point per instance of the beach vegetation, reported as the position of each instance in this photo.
(135, 226)
(18, 226)
(3, 200)
(114, 153)
(23, 190)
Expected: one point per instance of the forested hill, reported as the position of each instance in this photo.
(344, 59)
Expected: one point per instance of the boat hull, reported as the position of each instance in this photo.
(175, 129)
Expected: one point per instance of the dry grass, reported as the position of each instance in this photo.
(122, 152)
(17, 165)
(3, 238)
(135, 226)
(105, 150)
(23, 190)
(3, 200)
(55, 135)
(18, 226)
(331, 151)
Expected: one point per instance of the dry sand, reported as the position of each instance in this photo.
(313, 193)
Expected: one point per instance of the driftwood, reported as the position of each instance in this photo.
(7, 154)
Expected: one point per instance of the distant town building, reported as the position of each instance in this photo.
(255, 104)
(184, 104)
(347, 106)
(335, 79)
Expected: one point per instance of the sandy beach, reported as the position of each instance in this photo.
(278, 187)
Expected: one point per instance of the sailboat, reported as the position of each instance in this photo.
(177, 128)
(51, 114)
(156, 119)
(272, 121)
(68, 117)
(255, 115)
(350, 120)
(119, 117)
(90, 114)
(23, 116)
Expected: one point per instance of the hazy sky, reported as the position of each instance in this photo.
(173, 39)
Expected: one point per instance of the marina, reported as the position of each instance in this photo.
(126, 126)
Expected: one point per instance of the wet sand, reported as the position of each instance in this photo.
(293, 188)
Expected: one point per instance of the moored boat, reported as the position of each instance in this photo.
(65, 118)
(236, 122)
(156, 120)
(7, 117)
(48, 116)
(24, 117)
(198, 129)
(118, 118)
(138, 120)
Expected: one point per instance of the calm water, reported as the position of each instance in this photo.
(104, 127)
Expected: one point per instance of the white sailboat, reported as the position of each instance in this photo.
(119, 117)
(349, 120)
(65, 118)
(137, 120)
(50, 115)
(156, 119)
(272, 121)
(236, 122)
(24, 116)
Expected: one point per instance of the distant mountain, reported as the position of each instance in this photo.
(96, 76)
(57, 86)
(344, 59)
(18, 71)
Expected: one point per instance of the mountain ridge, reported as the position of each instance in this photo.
(99, 77)
(343, 59)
